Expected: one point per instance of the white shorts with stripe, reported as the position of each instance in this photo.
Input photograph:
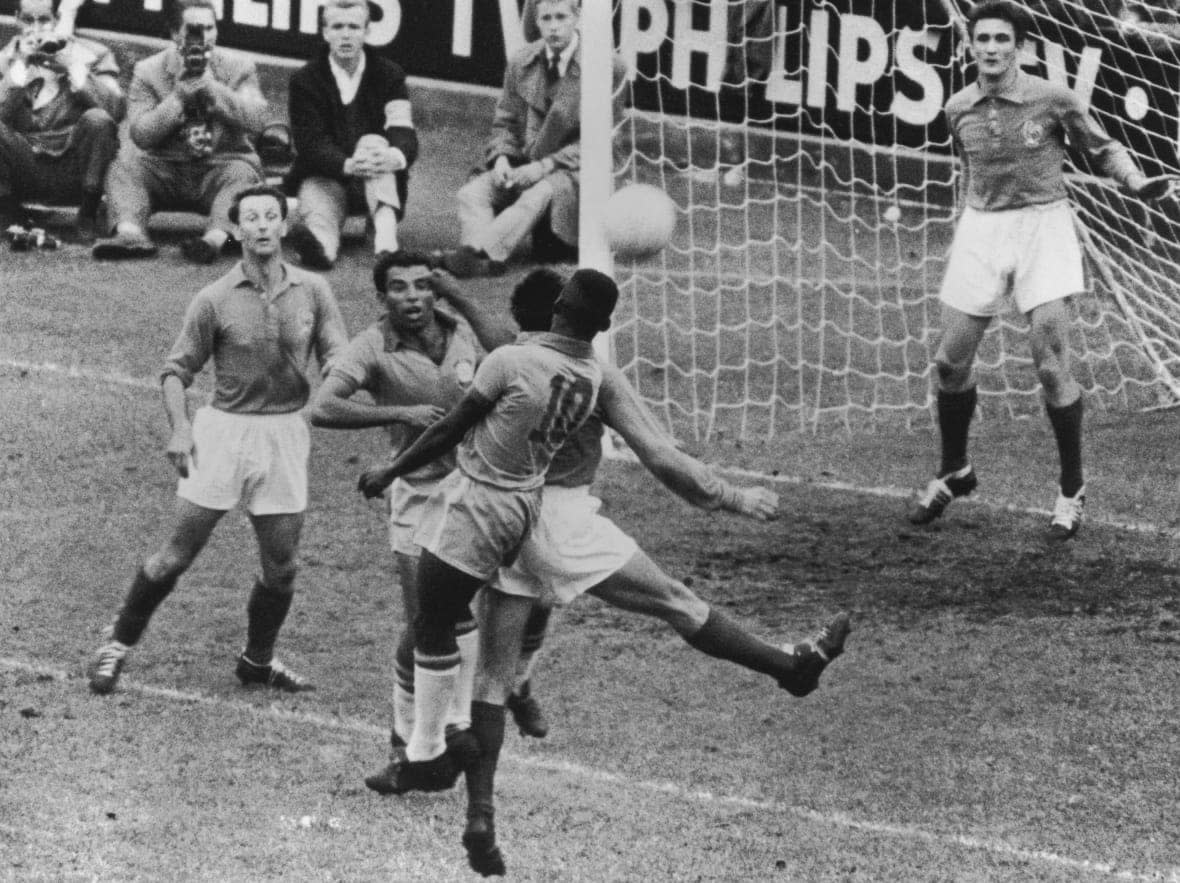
(1031, 253)
(475, 527)
(407, 502)
(571, 549)
(259, 460)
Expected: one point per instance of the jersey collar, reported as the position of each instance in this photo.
(1017, 93)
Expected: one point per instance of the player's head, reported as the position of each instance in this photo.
(405, 288)
(259, 216)
(345, 25)
(585, 304)
(36, 16)
(190, 15)
(533, 299)
(997, 29)
(557, 20)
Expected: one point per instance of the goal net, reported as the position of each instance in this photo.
(804, 146)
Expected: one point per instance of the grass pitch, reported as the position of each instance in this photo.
(1004, 710)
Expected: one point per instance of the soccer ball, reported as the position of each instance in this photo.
(638, 220)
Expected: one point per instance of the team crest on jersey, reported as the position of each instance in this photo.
(1033, 133)
(464, 372)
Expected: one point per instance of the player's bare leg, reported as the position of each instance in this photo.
(270, 601)
(153, 582)
(642, 587)
(503, 620)
(1049, 341)
(961, 336)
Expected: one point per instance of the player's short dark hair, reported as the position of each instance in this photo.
(587, 300)
(1005, 10)
(533, 298)
(396, 259)
(258, 190)
(176, 9)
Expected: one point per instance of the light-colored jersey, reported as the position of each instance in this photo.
(1012, 144)
(544, 387)
(379, 362)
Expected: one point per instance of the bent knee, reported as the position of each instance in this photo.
(538, 196)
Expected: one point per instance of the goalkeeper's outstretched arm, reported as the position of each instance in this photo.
(685, 476)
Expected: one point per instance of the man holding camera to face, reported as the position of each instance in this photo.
(193, 109)
(60, 105)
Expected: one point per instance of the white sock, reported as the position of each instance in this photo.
(384, 229)
(460, 711)
(433, 689)
(403, 712)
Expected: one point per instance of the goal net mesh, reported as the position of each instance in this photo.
(812, 170)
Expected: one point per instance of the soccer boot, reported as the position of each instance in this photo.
(107, 665)
(812, 656)
(400, 776)
(526, 712)
(275, 675)
(479, 839)
(1067, 515)
(932, 502)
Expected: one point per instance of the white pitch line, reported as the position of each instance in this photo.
(883, 491)
(833, 819)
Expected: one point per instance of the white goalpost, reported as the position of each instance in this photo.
(803, 145)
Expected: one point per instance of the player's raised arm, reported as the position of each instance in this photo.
(491, 330)
(685, 476)
(437, 440)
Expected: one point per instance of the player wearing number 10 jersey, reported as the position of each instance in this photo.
(524, 402)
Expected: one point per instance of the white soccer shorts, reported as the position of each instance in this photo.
(1031, 253)
(407, 501)
(259, 460)
(475, 527)
(570, 549)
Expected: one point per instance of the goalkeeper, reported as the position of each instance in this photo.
(572, 550)
(1016, 238)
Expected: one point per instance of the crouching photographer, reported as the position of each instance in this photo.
(194, 110)
(60, 104)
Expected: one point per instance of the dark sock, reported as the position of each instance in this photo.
(88, 207)
(265, 612)
(723, 638)
(487, 724)
(955, 410)
(1067, 426)
(141, 602)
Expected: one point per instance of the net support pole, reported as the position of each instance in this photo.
(597, 134)
(597, 172)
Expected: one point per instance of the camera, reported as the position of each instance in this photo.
(41, 49)
(194, 51)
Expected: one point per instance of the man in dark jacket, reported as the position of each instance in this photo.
(354, 138)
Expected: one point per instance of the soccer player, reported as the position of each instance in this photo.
(524, 402)
(416, 363)
(1016, 237)
(572, 550)
(261, 324)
